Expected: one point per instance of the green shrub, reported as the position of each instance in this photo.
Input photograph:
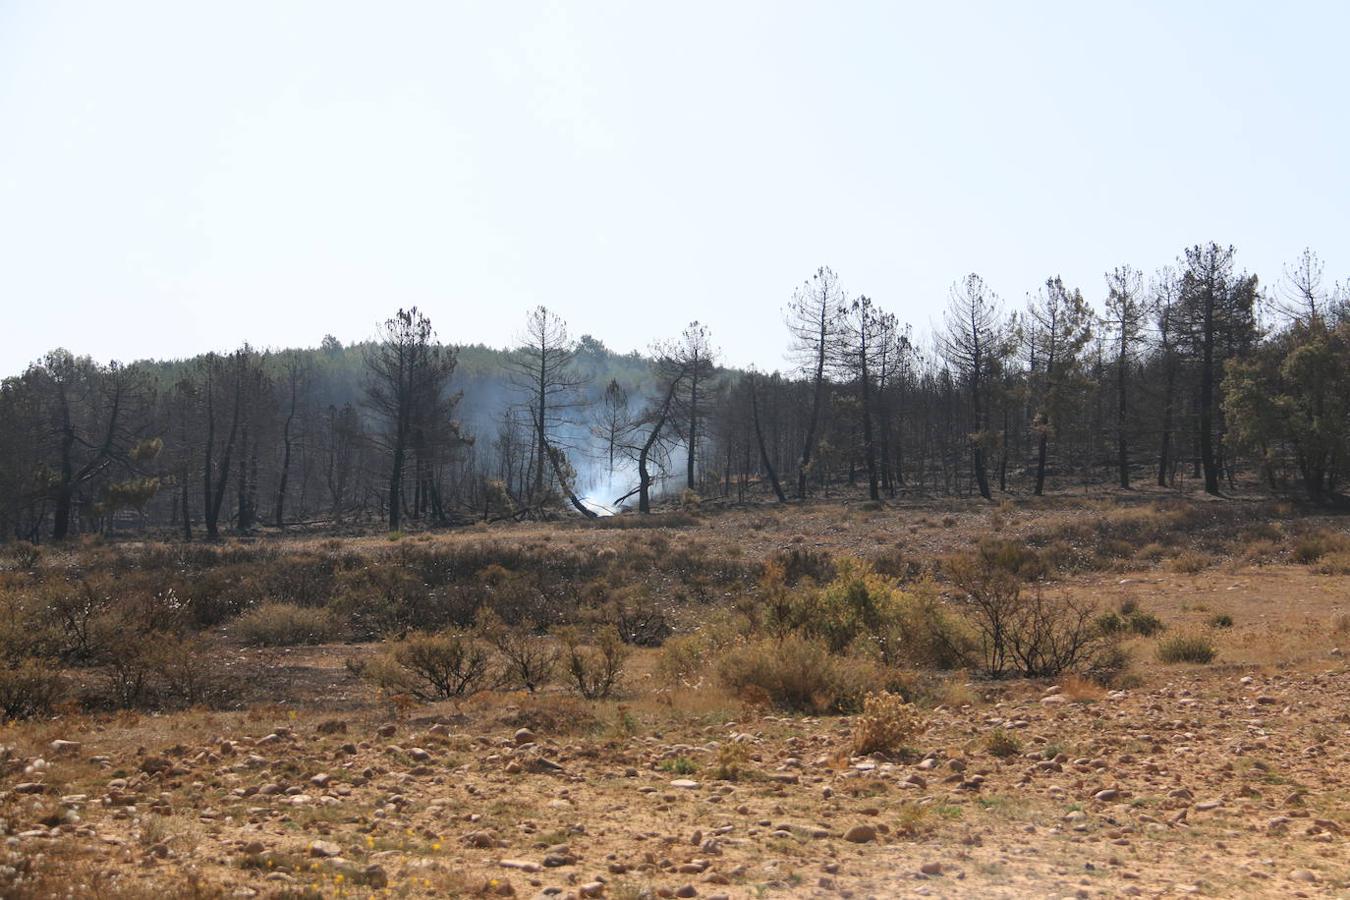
(285, 625)
(1222, 620)
(1187, 648)
(432, 666)
(683, 660)
(887, 724)
(861, 611)
(798, 674)
(1144, 624)
(1002, 744)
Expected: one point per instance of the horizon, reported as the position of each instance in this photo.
(181, 180)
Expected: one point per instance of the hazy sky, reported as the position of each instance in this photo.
(181, 176)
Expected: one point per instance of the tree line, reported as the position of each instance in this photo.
(1197, 373)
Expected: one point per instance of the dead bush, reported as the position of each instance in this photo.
(285, 625)
(594, 663)
(32, 687)
(1026, 632)
(189, 673)
(887, 724)
(528, 659)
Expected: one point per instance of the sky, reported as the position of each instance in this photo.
(182, 177)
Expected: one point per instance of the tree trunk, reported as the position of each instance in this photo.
(764, 453)
(1122, 451)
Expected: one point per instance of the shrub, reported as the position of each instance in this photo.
(798, 674)
(1187, 648)
(1337, 563)
(594, 667)
(385, 599)
(887, 724)
(860, 610)
(528, 659)
(731, 761)
(33, 687)
(1033, 635)
(1309, 548)
(189, 673)
(683, 660)
(432, 666)
(1188, 562)
(678, 765)
(1002, 744)
(1109, 664)
(1143, 623)
(1110, 623)
(285, 625)
(1222, 620)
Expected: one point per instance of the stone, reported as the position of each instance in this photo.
(931, 868)
(861, 834)
(524, 736)
(324, 849)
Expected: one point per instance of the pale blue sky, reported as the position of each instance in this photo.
(182, 176)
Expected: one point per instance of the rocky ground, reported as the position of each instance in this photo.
(1216, 782)
(1219, 780)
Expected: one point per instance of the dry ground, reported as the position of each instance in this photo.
(1221, 780)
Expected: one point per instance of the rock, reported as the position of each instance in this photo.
(388, 730)
(931, 868)
(483, 840)
(592, 889)
(321, 780)
(686, 890)
(60, 747)
(524, 736)
(1304, 875)
(861, 834)
(1053, 700)
(686, 784)
(324, 849)
(1107, 795)
(522, 865)
(375, 877)
(30, 787)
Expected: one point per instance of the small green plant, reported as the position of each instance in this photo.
(1222, 620)
(1002, 744)
(678, 765)
(1187, 648)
